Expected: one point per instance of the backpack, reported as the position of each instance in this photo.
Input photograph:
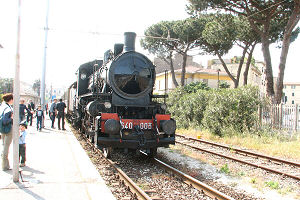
(4, 128)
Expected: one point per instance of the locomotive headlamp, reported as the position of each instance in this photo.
(112, 127)
(107, 105)
(83, 76)
(168, 126)
(163, 106)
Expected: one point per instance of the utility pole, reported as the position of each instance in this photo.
(16, 103)
(51, 93)
(42, 93)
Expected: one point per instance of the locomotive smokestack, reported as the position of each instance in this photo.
(129, 41)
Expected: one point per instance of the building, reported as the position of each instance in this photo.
(291, 93)
(214, 72)
(192, 74)
(54, 93)
(27, 93)
(162, 65)
(256, 73)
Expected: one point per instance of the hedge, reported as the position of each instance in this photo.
(217, 110)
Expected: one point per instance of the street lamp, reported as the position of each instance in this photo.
(218, 70)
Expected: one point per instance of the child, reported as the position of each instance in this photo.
(22, 143)
(39, 118)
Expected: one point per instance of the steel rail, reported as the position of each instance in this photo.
(242, 151)
(206, 189)
(241, 161)
(134, 188)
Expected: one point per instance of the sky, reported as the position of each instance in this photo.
(72, 38)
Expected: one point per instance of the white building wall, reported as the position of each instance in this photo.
(292, 93)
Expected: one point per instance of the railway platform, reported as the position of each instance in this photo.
(56, 168)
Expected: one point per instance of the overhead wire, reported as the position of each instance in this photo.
(266, 8)
(148, 36)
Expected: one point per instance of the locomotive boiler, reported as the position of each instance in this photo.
(114, 105)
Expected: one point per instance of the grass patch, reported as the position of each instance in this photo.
(253, 181)
(241, 173)
(273, 184)
(269, 142)
(285, 190)
(144, 186)
(225, 169)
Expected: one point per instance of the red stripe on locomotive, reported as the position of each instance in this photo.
(144, 124)
(160, 117)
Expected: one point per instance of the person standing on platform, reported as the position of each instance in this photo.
(39, 118)
(7, 118)
(29, 115)
(46, 108)
(22, 108)
(22, 143)
(61, 113)
(32, 105)
(52, 112)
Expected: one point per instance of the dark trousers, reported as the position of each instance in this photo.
(61, 116)
(52, 117)
(39, 122)
(22, 153)
(29, 118)
(21, 118)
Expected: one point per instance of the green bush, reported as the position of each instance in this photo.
(224, 84)
(195, 86)
(187, 109)
(234, 109)
(221, 111)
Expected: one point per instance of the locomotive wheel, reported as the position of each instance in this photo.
(153, 152)
(107, 151)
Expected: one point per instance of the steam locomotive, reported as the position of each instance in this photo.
(112, 102)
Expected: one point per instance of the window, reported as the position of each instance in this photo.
(293, 102)
(293, 86)
(285, 99)
(293, 94)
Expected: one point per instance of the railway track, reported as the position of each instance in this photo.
(272, 164)
(209, 191)
(205, 191)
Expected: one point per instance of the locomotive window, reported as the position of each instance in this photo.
(132, 75)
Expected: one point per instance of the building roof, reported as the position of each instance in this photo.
(189, 69)
(291, 83)
(26, 89)
(194, 70)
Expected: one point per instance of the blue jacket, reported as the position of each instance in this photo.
(7, 109)
(22, 137)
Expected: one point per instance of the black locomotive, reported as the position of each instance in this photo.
(112, 102)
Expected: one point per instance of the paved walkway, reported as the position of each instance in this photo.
(56, 168)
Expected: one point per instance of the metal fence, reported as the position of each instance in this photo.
(281, 116)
